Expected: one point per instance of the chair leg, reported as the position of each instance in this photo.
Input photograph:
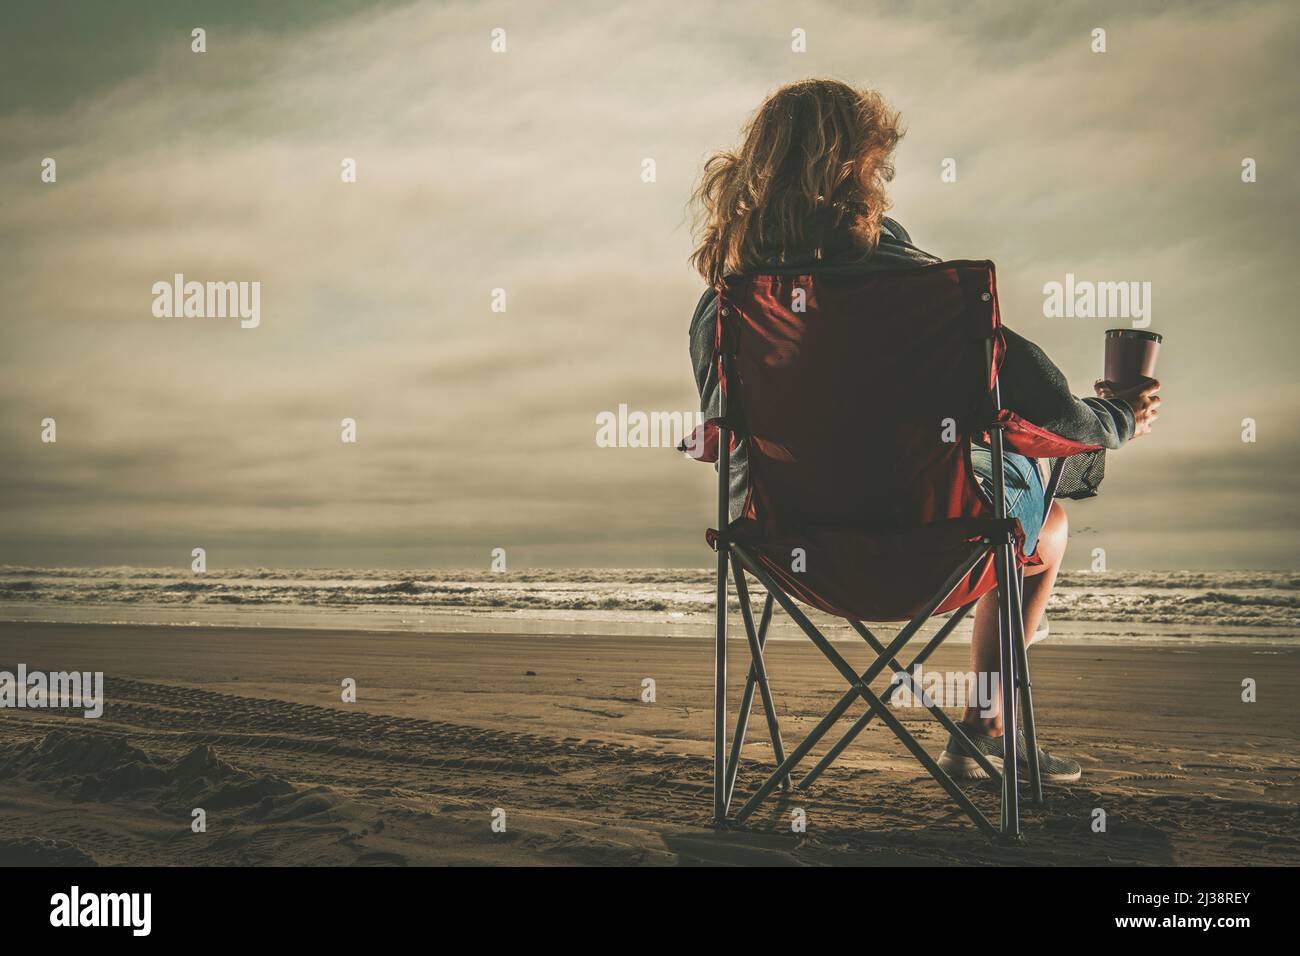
(878, 706)
(859, 687)
(757, 677)
(759, 669)
(1007, 682)
(1026, 694)
(720, 693)
(849, 698)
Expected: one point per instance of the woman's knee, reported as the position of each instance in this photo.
(1055, 534)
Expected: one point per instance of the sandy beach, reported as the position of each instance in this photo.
(249, 725)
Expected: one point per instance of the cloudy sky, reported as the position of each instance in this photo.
(522, 171)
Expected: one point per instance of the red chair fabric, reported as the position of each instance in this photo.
(859, 395)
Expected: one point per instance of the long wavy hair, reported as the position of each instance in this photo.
(807, 182)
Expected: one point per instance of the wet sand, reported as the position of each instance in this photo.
(249, 725)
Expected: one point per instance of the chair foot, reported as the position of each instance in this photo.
(1011, 839)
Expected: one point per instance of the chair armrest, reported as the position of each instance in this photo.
(702, 443)
(1025, 438)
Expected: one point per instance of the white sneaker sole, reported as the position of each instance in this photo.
(965, 768)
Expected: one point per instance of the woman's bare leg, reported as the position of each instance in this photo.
(1038, 588)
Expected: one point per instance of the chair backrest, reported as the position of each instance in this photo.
(859, 393)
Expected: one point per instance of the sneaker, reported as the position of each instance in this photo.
(958, 763)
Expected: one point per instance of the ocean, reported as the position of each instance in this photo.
(1177, 605)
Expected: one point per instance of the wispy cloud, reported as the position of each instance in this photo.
(521, 171)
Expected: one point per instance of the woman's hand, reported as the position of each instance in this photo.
(1142, 398)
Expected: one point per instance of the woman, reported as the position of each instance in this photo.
(806, 189)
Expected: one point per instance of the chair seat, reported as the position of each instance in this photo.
(867, 575)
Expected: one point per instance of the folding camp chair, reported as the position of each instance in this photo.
(858, 396)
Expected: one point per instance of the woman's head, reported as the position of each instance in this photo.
(808, 180)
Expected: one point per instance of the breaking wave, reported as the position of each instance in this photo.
(1257, 598)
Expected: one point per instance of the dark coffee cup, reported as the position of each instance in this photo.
(1131, 356)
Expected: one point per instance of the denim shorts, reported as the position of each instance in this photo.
(1024, 490)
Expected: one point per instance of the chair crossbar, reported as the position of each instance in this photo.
(859, 686)
(757, 677)
(948, 723)
(861, 723)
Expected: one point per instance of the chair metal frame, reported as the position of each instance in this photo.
(1013, 672)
